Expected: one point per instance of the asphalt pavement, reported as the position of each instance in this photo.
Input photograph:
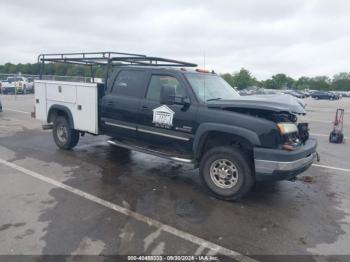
(98, 199)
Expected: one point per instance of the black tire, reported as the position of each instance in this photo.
(69, 139)
(241, 163)
(316, 97)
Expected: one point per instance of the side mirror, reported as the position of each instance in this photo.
(167, 95)
(185, 100)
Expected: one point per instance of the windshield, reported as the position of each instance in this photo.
(211, 87)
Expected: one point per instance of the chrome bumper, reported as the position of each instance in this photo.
(268, 167)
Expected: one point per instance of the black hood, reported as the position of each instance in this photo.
(275, 103)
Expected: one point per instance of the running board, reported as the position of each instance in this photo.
(47, 126)
(150, 151)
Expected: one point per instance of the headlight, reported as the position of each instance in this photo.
(287, 128)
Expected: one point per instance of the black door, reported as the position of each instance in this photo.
(119, 108)
(169, 126)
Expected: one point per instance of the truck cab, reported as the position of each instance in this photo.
(187, 115)
(137, 106)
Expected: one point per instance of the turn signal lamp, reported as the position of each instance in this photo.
(202, 70)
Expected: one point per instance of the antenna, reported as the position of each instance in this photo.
(204, 75)
(204, 60)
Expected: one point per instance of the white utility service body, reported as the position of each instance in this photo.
(80, 98)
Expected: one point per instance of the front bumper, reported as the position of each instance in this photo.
(278, 164)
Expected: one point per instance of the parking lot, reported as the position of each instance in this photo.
(98, 199)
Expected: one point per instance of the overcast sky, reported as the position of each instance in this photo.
(297, 37)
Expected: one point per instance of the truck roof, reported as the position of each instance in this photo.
(171, 69)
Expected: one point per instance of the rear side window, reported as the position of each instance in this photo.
(156, 83)
(129, 83)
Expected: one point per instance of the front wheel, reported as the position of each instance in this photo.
(65, 137)
(226, 172)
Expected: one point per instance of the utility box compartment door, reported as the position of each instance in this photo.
(86, 108)
(63, 92)
(40, 101)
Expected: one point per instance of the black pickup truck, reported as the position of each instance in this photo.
(193, 116)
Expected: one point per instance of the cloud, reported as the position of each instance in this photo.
(266, 36)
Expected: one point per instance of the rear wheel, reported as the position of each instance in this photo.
(64, 136)
(226, 172)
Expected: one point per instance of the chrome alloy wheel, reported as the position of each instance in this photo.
(224, 173)
(62, 133)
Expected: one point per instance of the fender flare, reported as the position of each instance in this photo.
(205, 128)
(61, 108)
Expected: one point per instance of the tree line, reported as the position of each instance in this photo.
(240, 79)
(243, 79)
(52, 69)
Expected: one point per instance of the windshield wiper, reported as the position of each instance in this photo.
(214, 99)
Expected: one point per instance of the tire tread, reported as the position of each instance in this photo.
(244, 162)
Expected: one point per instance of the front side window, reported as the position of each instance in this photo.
(156, 83)
(129, 83)
(210, 87)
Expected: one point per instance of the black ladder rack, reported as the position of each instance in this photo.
(114, 58)
(109, 59)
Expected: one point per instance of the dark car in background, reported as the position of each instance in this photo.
(304, 93)
(325, 95)
(294, 93)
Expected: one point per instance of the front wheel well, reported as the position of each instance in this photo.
(216, 139)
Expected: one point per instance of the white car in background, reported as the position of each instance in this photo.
(23, 85)
(17, 84)
(8, 86)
